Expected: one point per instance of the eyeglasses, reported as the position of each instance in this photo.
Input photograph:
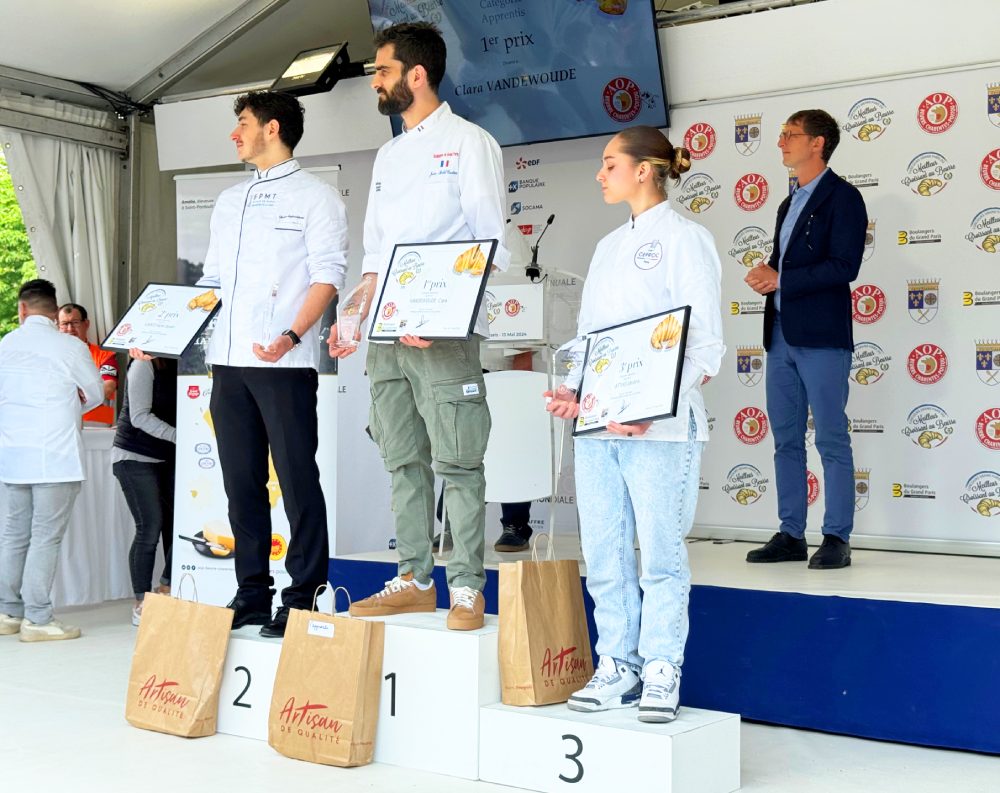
(71, 323)
(784, 137)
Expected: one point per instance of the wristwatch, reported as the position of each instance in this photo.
(296, 341)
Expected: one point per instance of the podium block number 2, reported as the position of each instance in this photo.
(238, 703)
(574, 757)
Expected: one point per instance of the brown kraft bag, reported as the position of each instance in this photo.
(544, 645)
(177, 666)
(324, 707)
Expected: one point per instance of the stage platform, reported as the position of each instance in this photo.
(900, 646)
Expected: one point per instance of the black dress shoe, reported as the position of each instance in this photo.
(780, 548)
(255, 612)
(833, 554)
(275, 629)
(513, 539)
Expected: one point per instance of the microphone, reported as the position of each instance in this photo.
(533, 271)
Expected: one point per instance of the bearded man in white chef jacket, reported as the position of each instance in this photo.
(441, 180)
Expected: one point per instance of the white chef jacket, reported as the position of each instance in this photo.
(441, 181)
(272, 237)
(653, 263)
(42, 373)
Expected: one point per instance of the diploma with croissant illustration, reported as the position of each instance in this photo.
(165, 319)
(433, 290)
(632, 371)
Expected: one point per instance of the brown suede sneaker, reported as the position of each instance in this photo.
(467, 608)
(400, 596)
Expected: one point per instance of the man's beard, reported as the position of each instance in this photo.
(396, 101)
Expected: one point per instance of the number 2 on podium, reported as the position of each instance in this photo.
(237, 703)
(573, 757)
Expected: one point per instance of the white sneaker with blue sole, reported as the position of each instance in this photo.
(614, 685)
(661, 692)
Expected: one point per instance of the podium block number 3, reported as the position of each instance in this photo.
(238, 702)
(574, 757)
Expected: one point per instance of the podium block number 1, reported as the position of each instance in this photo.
(391, 677)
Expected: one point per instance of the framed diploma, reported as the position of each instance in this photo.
(632, 371)
(164, 320)
(432, 290)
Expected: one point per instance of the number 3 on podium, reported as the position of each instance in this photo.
(573, 757)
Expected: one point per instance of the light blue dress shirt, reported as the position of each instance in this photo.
(799, 198)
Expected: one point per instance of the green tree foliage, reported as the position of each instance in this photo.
(16, 263)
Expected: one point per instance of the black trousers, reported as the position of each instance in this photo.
(254, 408)
(149, 493)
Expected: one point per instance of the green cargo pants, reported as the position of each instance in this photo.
(429, 405)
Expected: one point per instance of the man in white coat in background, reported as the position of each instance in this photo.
(47, 381)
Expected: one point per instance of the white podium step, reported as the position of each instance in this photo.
(549, 748)
(434, 682)
(247, 682)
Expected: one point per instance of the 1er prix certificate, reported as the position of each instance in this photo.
(164, 320)
(633, 371)
(433, 290)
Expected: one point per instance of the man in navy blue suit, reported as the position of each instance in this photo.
(808, 335)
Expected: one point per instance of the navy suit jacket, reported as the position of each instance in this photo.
(823, 257)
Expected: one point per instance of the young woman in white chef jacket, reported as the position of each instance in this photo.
(642, 479)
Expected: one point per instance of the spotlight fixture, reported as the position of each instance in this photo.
(318, 70)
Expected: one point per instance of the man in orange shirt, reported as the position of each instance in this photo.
(73, 320)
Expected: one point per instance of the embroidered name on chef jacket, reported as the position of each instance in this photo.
(649, 255)
(288, 222)
(444, 164)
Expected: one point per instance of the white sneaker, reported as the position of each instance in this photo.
(137, 613)
(49, 632)
(614, 685)
(661, 692)
(9, 625)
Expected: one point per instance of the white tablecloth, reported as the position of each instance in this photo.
(93, 562)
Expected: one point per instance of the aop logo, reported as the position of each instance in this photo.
(988, 428)
(699, 140)
(750, 425)
(927, 364)
(937, 113)
(750, 192)
(868, 304)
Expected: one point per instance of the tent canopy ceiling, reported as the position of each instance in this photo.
(117, 43)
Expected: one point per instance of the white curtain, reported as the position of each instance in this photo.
(68, 193)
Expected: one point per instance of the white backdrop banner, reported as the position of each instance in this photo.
(203, 539)
(924, 406)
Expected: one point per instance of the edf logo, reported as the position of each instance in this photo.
(512, 187)
(515, 208)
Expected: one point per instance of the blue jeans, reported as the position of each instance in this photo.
(37, 517)
(649, 488)
(799, 378)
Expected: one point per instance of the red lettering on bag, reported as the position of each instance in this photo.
(562, 661)
(306, 716)
(160, 692)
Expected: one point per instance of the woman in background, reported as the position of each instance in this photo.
(643, 478)
(143, 463)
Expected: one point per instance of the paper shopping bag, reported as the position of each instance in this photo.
(177, 666)
(324, 707)
(544, 645)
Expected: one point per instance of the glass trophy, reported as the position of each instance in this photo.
(351, 309)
